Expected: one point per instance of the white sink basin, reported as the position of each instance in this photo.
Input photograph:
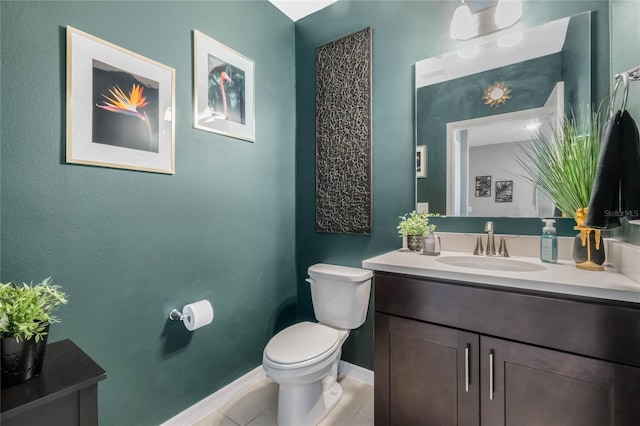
(491, 263)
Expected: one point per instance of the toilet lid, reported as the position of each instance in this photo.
(339, 273)
(301, 342)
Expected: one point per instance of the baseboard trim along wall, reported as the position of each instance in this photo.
(216, 400)
(356, 372)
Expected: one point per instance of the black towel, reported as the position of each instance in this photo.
(616, 189)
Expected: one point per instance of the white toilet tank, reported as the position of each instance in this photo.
(340, 294)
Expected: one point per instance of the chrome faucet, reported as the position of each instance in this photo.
(491, 245)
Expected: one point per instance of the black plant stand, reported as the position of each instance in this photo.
(65, 392)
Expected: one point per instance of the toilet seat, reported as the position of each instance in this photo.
(301, 345)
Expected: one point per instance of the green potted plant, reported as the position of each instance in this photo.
(414, 226)
(564, 164)
(25, 315)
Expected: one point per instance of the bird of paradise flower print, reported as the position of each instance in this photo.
(125, 109)
(119, 102)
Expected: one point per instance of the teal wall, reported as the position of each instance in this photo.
(403, 33)
(128, 246)
(576, 64)
(397, 28)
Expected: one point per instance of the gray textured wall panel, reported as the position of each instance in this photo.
(343, 135)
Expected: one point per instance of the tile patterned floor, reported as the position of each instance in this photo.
(258, 407)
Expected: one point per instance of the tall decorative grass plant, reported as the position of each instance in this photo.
(563, 162)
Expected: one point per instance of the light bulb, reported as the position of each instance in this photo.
(462, 25)
(508, 12)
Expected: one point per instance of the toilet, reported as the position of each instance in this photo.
(303, 358)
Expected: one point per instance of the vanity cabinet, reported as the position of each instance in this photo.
(453, 353)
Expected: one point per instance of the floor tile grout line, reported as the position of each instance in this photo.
(353, 385)
(228, 418)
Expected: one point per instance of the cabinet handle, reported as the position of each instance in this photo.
(491, 375)
(466, 368)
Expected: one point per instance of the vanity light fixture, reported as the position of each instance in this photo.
(474, 18)
(496, 94)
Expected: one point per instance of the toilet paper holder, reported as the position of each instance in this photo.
(176, 315)
(193, 315)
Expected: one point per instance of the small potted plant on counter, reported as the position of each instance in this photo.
(25, 315)
(414, 226)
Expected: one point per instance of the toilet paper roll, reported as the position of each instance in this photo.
(197, 314)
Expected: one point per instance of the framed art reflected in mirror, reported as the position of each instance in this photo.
(483, 186)
(421, 161)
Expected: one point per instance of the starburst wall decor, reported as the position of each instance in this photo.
(496, 94)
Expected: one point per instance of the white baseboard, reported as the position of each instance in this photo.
(216, 400)
(356, 372)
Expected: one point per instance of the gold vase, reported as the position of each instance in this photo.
(591, 239)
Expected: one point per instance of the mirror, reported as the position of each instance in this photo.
(476, 107)
(483, 177)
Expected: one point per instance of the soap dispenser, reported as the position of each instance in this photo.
(549, 242)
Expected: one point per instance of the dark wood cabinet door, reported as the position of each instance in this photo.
(433, 375)
(578, 363)
(524, 385)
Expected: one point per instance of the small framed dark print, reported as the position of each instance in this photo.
(504, 191)
(483, 186)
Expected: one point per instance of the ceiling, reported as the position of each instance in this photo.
(298, 9)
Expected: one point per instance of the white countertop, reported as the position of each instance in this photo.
(562, 277)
